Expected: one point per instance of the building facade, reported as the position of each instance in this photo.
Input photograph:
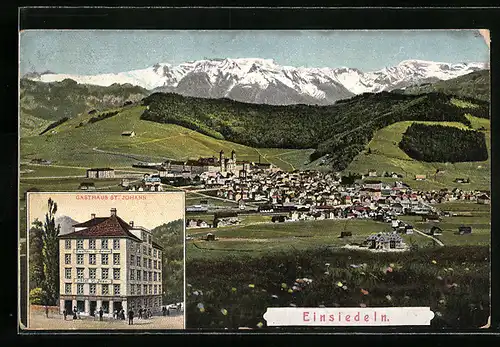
(101, 173)
(110, 264)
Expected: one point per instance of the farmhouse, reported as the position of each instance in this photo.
(435, 231)
(461, 180)
(87, 186)
(128, 133)
(462, 230)
(101, 173)
(384, 241)
(483, 199)
(225, 218)
(420, 177)
(372, 173)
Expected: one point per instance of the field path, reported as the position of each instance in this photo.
(430, 237)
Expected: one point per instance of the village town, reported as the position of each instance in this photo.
(264, 189)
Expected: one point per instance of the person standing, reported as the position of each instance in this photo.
(164, 310)
(46, 311)
(140, 312)
(100, 313)
(130, 317)
(65, 313)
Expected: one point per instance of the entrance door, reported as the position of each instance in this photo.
(68, 306)
(93, 307)
(80, 305)
(392, 244)
(105, 306)
(117, 305)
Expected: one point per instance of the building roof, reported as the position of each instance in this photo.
(157, 246)
(101, 169)
(112, 226)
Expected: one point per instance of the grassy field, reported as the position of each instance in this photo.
(470, 214)
(254, 240)
(387, 156)
(72, 145)
(235, 292)
(48, 171)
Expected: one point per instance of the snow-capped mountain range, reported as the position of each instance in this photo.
(263, 81)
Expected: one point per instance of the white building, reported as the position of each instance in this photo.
(110, 264)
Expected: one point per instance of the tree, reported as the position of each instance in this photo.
(50, 254)
(38, 296)
(369, 150)
(36, 271)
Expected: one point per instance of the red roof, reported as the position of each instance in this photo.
(112, 226)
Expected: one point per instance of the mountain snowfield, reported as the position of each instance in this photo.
(258, 80)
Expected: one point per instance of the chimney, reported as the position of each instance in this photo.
(92, 216)
(113, 211)
(131, 223)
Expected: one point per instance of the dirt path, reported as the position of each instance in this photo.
(429, 236)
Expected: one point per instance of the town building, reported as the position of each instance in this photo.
(384, 241)
(108, 263)
(128, 133)
(101, 173)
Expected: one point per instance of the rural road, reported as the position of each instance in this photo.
(429, 236)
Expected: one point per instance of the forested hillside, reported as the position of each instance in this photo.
(340, 131)
(437, 143)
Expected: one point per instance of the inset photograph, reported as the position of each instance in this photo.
(105, 261)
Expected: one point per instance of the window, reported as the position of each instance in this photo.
(116, 289)
(149, 264)
(104, 244)
(132, 289)
(138, 275)
(92, 289)
(155, 277)
(159, 276)
(104, 289)
(79, 244)
(144, 249)
(132, 275)
(67, 244)
(92, 259)
(104, 259)
(138, 260)
(104, 274)
(79, 259)
(67, 259)
(150, 251)
(79, 272)
(116, 259)
(144, 275)
(159, 254)
(67, 273)
(67, 288)
(154, 264)
(159, 264)
(91, 244)
(150, 276)
(155, 289)
(150, 289)
(145, 289)
(145, 262)
(116, 274)
(149, 239)
(92, 273)
(79, 288)
(116, 244)
(159, 288)
(132, 259)
(154, 253)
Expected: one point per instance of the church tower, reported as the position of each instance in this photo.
(222, 161)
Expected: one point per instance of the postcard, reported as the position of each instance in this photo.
(329, 178)
(105, 260)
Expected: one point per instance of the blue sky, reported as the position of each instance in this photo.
(94, 52)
